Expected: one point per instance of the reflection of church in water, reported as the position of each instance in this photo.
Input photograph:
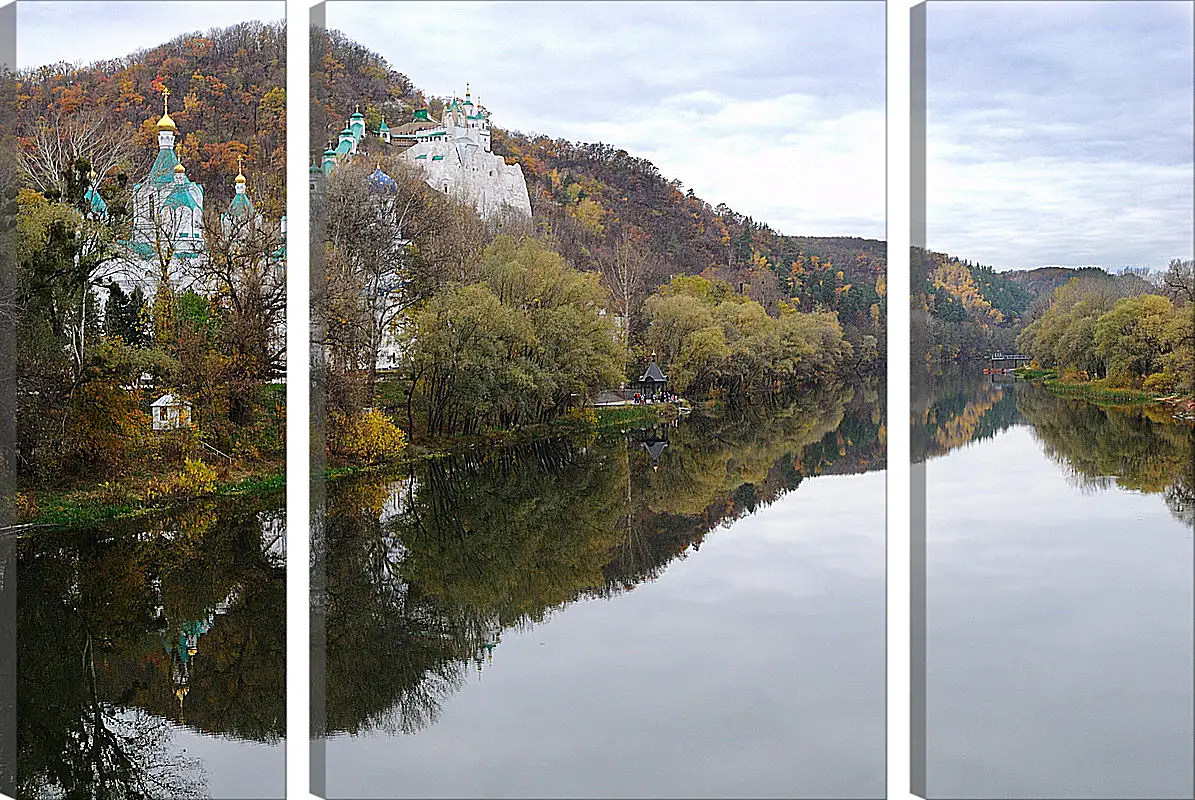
(182, 650)
(654, 441)
(181, 645)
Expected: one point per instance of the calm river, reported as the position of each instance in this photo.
(1059, 638)
(687, 611)
(151, 656)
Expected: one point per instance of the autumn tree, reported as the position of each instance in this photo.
(53, 145)
(716, 341)
(390, 247)
(1132, 336)
(523, 344)
(1179, 280)
(627, 272)
(245, 269)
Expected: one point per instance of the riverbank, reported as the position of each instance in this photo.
(583, 422)
(1099, 393)
(140, 495)
(136, 497)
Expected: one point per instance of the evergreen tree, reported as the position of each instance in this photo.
(125, 316)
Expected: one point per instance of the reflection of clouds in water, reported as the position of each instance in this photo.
(1059, 631)
(141, 749)
(1085, 484)
(831, 526)
(273, 536)
(1098, 448)
(523, 547)
(236, 768)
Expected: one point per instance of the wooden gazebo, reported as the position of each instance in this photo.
(653, 381)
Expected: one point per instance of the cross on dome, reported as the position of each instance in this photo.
(166, 123)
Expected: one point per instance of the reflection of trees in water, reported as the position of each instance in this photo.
(475, 546)
(426, 573)
(98, 683)
(1097, 447)
(719, 470)
(956, 405)
(1102, 447)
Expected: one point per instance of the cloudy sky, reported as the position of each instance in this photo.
(83, 32)
(1060, 133)
(776, 109)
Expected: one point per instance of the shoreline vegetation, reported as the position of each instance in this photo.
(1114, 338)
(135, 497)
(1098, 392)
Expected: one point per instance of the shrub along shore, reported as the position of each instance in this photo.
(137, 497)
(1100, 393)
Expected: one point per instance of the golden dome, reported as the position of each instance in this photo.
(179, 168)
(240, 171)
(166, 123)
(240, 178)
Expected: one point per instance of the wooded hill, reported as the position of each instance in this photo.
(974, 310)
(227, 96)
(594, 200)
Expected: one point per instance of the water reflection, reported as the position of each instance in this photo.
(1143, 450)
(129, 635)
(1058, 585)
(1140, 449)
(425, 573)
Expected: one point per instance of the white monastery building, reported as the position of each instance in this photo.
(454, 154)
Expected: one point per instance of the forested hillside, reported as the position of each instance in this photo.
(609, 212)
(1044, 280)
(972, 310)
(227, 96)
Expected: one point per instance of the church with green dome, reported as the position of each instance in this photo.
(166, 241)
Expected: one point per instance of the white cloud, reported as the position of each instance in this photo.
(50, 31)
(1018, 212)
(1060, 133)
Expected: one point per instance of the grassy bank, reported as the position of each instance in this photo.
(113, 501)
(1097, 391)
(133, 496)
(610, 419)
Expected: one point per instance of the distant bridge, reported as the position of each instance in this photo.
(1005, 362)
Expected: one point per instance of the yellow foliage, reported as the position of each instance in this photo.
(194, 480)
(1160, 383)
(956, 279)
(589, 213)
(26, 506)
(368, 437)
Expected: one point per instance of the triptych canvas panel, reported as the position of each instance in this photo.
(588, 318)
